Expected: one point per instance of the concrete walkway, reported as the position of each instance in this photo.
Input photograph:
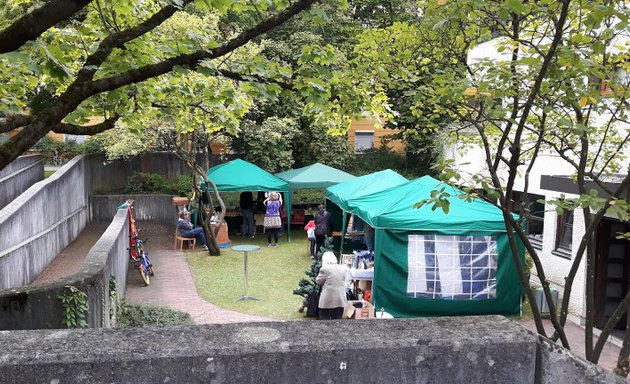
(173, 285)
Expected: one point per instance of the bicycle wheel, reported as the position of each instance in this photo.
(144, 273)
(150, 266)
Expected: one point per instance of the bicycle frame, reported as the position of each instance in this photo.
(136, 247)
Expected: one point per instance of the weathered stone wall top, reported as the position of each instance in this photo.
(436, 350)
(481, 349)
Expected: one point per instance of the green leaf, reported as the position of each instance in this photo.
(440, 24)
(516, 6)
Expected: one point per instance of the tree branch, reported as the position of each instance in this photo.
(118, 39)
(32, 25)
(193, 59)
(79, 91)
(73, 129)
(248, 78)
(13, 121)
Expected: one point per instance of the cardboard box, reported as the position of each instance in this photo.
(365, 311)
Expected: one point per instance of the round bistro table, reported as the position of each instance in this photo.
(246, 248)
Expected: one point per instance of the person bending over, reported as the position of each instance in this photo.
(332, 277)
(186, 229)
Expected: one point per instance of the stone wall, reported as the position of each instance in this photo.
(488, 349)
(41, 222)
(19, 176)
(39, 307)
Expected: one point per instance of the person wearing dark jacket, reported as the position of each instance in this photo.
(186, 229)
(246, 204)
(322, 227)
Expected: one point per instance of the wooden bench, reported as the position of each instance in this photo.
(192, 240)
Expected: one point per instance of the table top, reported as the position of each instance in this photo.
(245, 248)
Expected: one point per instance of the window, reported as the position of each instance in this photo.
(452, 267)
(564, 232)
(363, 140)
(534, 216)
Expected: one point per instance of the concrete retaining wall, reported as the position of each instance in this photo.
(38, 307)
(48, 216)
(452, 350)
(146, 207)
(19, 176)
(41, 222)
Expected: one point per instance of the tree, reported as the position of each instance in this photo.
(539, 95)
(99, 60)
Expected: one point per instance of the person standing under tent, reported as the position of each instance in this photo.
(273, 221)
(246, 207)
(322, 227)
(368, 236)
(332, 277)
(310, 234)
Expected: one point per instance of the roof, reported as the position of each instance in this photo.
(393, 208)
(314, 176)
(363, 185)
(239, 175)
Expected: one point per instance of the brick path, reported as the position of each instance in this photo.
(173, 285)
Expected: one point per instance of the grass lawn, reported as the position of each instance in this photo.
(48, 173)
(273, 274)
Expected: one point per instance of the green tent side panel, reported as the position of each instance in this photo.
(389, 289)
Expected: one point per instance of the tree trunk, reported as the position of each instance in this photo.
(623, 362)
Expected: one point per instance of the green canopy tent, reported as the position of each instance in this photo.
(357, 187)
(239, 175)
(428, 263)
(314, 176)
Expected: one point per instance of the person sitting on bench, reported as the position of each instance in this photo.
(186, 229)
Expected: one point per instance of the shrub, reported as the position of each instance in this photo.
(309, 196)
(181, 186)
(133, 315)
(147, 183)
(376, 159)
(67, 149)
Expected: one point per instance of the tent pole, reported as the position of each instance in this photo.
(344, 223)
(288, 206)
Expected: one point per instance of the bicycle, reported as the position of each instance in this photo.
(56, 160)
(141, 258)
(136, 250)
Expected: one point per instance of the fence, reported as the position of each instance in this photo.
(112, 175)
(147, 207)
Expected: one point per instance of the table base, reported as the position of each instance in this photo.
(247, 298)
